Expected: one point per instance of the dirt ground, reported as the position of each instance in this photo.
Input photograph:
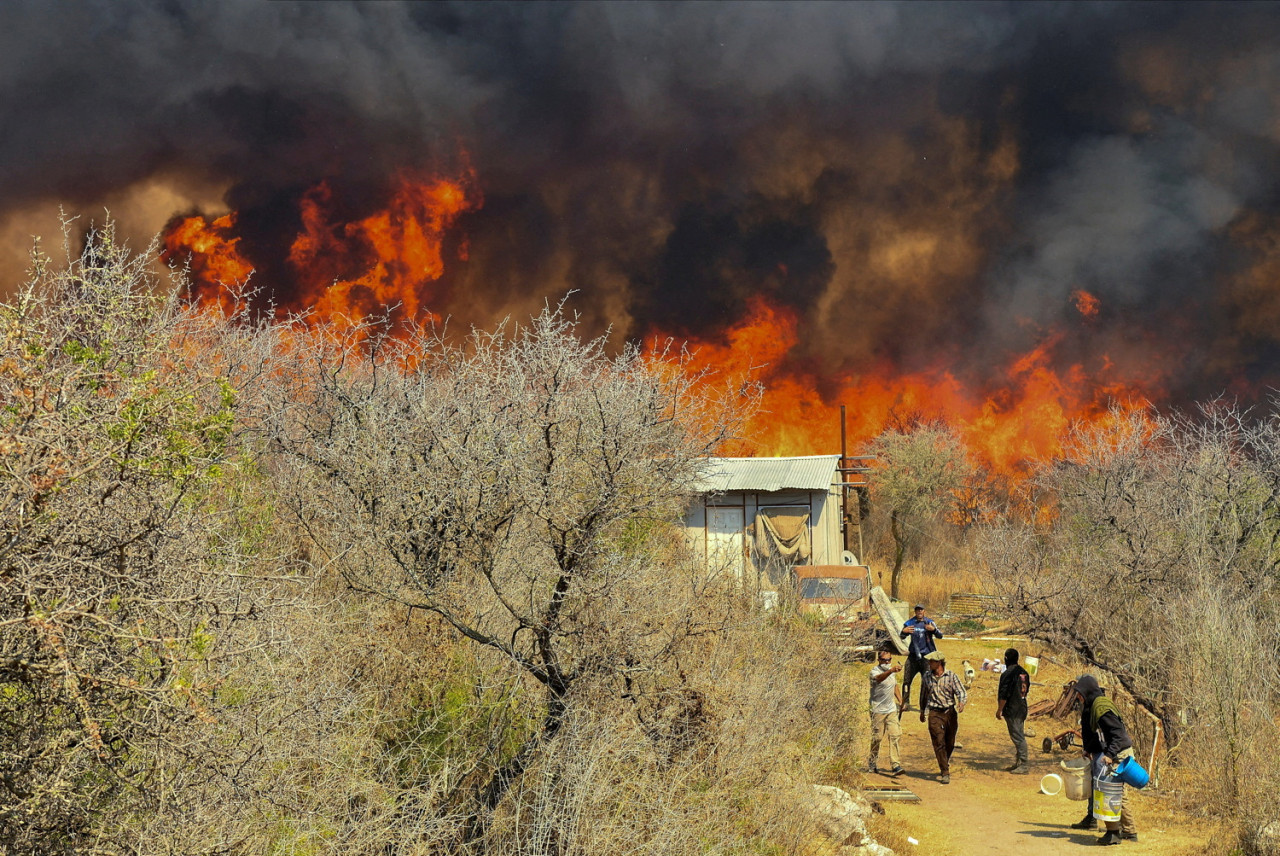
(990, 812)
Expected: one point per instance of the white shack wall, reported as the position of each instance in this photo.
(826, 539)
(695, 528)
(824, 519)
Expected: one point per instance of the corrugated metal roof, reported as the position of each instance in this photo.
(813, 472)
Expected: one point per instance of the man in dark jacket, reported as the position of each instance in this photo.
(922, 631)
(1106, 741)
(1011, 706)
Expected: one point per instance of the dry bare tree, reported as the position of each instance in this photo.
(919, 471)
(515, 486)
(1154, 556)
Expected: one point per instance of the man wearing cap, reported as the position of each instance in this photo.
(943, 699)
(922, 631)
(886, 707)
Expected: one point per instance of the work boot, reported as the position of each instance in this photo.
(1089, 822)
(1019, 768)
(1129, 836)
(1110, 838)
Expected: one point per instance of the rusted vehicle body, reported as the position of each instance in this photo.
(840, 596)
(836, 593)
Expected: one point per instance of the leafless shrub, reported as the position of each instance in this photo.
(312, 590)
(770, 718)
(121, 552)
(510, 487)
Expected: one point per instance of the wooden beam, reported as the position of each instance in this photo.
(884, 608)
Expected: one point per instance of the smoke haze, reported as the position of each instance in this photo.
(920, 184)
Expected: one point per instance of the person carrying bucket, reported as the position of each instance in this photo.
(1106, 742)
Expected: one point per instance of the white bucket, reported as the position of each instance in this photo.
(1051, 784)
(1031, 664)
(1073, 777)
(1107, 795)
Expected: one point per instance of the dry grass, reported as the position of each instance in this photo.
(391, 722)
(929, 584)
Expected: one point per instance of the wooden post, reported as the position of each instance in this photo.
(845, 517)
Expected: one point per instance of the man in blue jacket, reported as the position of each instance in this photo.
(922, 631)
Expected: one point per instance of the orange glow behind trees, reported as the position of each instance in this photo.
(396, 257)
(1021, 417)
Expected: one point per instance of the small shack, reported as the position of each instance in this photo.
(760, 517)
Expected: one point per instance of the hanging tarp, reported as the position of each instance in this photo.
(782, 538)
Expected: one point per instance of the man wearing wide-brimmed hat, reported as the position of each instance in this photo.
(943, 700)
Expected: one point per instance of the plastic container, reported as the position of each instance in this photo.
(1051, 785)
(1131, 773)
(1031, 664)
(1107, 795)
(1074, 771)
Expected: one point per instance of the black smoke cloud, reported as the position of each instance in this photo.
(916, 181)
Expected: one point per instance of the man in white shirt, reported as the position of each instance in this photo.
(886, 707)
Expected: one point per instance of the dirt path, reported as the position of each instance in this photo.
(993, 813)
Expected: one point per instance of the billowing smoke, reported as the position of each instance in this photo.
(920, 184)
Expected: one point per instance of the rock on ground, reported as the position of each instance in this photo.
(872, 849)
(843, 819)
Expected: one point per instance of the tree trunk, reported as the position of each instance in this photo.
(505, 776)
(899, 552)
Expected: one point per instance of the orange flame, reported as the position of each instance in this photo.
(393, 258)
(215, 258)
(397, 252)
(1025, 420)
(1086, 304)
(397, 257)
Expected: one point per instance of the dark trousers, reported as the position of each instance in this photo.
(915, 666)
(943, 725)
(1015, 724)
